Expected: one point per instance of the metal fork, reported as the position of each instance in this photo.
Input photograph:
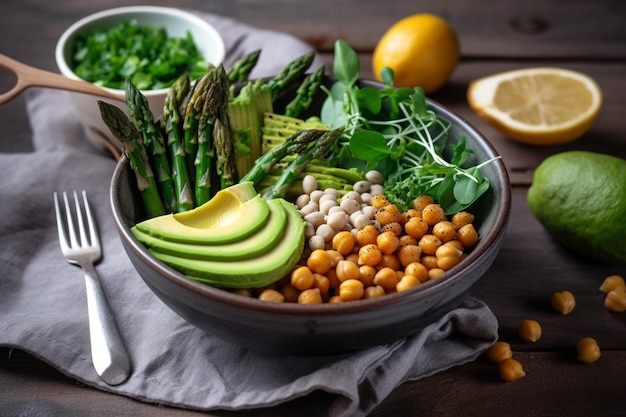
(109, 355)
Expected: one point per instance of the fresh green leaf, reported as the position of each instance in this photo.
(346, 64)
(369, 146)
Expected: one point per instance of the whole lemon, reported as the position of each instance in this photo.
(422, 50)
(580, 198)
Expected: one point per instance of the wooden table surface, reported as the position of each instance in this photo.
(588, 36)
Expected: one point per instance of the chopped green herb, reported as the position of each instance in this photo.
(144, 54)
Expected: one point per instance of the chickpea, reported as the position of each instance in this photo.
(429, 244)
(416, 227)
(373, 291)
(529, 330)
(435, 273)
(462, 218)
(408, 254)
(422, 201)
(379, 201)
(271, 295)
(407, 240)
(310, 296)
(510, 370)
(563, 302)
(353, 257)
(611, 282)
(467, 235)
(417, 270)
(335, 299)
(407, 282)
(351, 290)
(388, 214)
(322, 283)
(410, 213)
(393, 227)
(243, 292)
(429, 261)
(369, 255)
(445, 231)
(347, 270)
(302, 278)
(320, 261)
(333, 281)
(343, 242)
(367, 235)
(587, 350)
(367, 274)
(290, 293)
(388, 242)
(499, 351)
(433, 214)
(389, 261)
(448, 256)
(455, 243)
(335, 255)
(386, 278)
(615, 300)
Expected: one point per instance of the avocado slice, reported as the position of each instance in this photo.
(252, 272)
(234, 213)
(254, 245)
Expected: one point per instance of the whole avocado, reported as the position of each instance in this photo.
(580, 198)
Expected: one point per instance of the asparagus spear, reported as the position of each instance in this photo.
(241, 69)
(214, 99)
(223, 145)
(191, 118)
(125, 131)
(317, 150)
(291, 74)
(305, 94)
(292, 144)
(153, 140)
(171, 122)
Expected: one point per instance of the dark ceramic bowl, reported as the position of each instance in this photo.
(288, 328)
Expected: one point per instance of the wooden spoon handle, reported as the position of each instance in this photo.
(28, 76)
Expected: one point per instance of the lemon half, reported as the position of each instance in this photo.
(538, 106)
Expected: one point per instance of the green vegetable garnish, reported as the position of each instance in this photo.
(394, 131)
(144, 54)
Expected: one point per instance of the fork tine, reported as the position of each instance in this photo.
(93, 230)
(81, 225)
(60, 224)
(70, 222)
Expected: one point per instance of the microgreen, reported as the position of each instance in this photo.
(394, 131)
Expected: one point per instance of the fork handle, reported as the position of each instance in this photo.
(109, 355)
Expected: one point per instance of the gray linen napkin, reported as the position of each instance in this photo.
(43, 307)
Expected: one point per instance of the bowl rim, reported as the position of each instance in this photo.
(487, 241)
(67, 34)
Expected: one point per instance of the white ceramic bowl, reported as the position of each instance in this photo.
(177, 22)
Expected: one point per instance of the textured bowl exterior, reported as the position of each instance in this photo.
(292, 329)
(177, 22)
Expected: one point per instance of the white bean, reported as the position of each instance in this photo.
(332, 191)
(309, 230)
(335, 209)
(316, 218)
(349, 205)
(369, 211)
(309, 208)
(326, 205)
(361, 221)
(377, 189)
(316, 195)
(337, 220)
(361, 186)
(366, 198)
(328, 197)
(317, 242)
(326, 231)
(302, 200)
(353, 195)
(309, 184)
(374, 177)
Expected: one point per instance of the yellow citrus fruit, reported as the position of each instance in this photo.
(422, 50)
(538, 106)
